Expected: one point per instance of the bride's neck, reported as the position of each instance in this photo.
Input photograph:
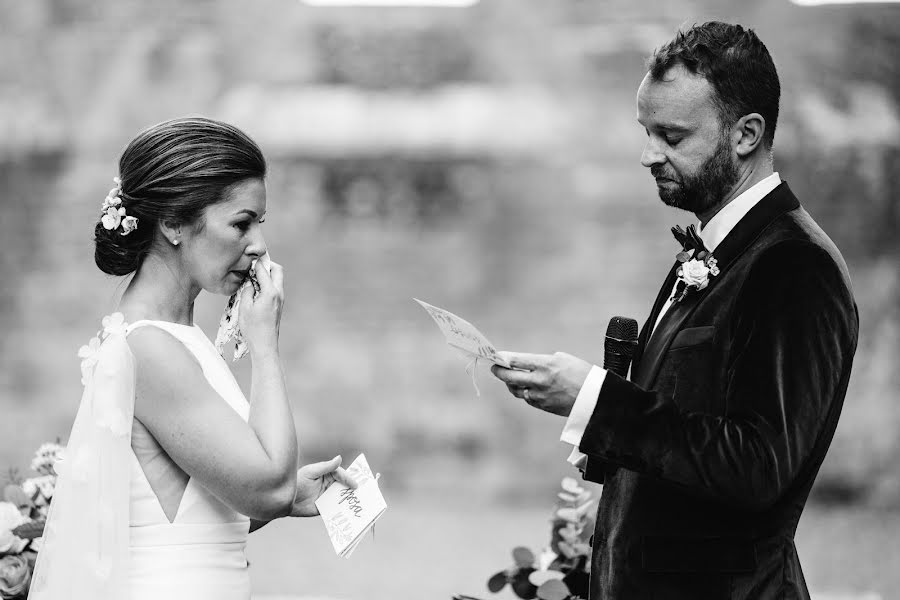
(158, 292)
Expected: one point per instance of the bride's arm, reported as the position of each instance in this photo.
(204, 436)
(251, 466)
(312, 481)
(270, 412)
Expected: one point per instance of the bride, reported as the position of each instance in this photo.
(168, 467)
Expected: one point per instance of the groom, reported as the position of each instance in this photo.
(710, 449)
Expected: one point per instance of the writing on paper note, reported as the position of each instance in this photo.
(349, 514)
(463, 335)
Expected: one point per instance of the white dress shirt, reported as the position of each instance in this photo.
(712, 235)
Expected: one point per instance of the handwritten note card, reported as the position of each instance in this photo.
(463, 335)
(349, 514)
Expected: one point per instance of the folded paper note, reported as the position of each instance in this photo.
(463, 335)
(350, 514)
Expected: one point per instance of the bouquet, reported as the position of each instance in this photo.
(561, 571)
(23, 513)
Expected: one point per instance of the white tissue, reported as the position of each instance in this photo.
(228, 324)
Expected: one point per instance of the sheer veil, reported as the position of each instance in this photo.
(84, 555)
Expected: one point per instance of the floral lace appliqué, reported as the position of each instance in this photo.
(106, 412)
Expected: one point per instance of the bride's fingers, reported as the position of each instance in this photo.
(262, 276)
(320, 469)
(277, 276)
(246, 294)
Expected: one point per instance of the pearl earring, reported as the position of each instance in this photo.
(175, 242)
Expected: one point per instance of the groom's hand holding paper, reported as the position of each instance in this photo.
(550, 382)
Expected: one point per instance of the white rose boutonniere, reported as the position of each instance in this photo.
(696, 273)
(697, 264)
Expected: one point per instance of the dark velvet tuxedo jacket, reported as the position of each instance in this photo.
(710, 450)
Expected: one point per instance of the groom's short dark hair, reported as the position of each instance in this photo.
(735, 62)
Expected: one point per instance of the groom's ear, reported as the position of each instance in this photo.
(748, 131)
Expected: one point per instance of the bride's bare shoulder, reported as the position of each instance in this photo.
(158, 350)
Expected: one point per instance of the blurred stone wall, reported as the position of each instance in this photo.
(484, 160)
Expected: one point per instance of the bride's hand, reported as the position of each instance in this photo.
(313, 480)
(260, 315)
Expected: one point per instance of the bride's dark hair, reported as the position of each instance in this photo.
(170, 172)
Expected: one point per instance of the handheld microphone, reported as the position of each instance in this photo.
(618, 347)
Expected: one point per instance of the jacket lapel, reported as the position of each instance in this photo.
(664, 292)
(776, 203)
(662, 336)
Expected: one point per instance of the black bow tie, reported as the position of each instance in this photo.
(690, 240)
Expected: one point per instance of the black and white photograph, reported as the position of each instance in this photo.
(450, 300)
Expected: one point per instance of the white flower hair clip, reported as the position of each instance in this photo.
(114, 213)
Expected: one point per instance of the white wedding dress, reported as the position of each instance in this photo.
(107, 536)
(200, 555)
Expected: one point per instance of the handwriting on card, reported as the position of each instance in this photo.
(460, 333)
(349, 496)
(348, 513)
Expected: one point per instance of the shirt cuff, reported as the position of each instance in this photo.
(577, 459)
(581, 413)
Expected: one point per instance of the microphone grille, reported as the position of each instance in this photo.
(622, 328)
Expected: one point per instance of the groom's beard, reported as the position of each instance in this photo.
(702, 190)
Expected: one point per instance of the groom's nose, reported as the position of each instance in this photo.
(651, 155)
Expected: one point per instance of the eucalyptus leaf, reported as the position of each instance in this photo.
(568, 514)
(523, 557)
(30, 530)
(567, 550)
(497, 582)
(554, 589)
(521, 586)
(569, 484)
(581, 549)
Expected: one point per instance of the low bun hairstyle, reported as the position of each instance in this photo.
(170, 172)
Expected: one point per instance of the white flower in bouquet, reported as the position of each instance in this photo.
(40, 489)
(15, 575)
(45, 458)
(10, 518)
